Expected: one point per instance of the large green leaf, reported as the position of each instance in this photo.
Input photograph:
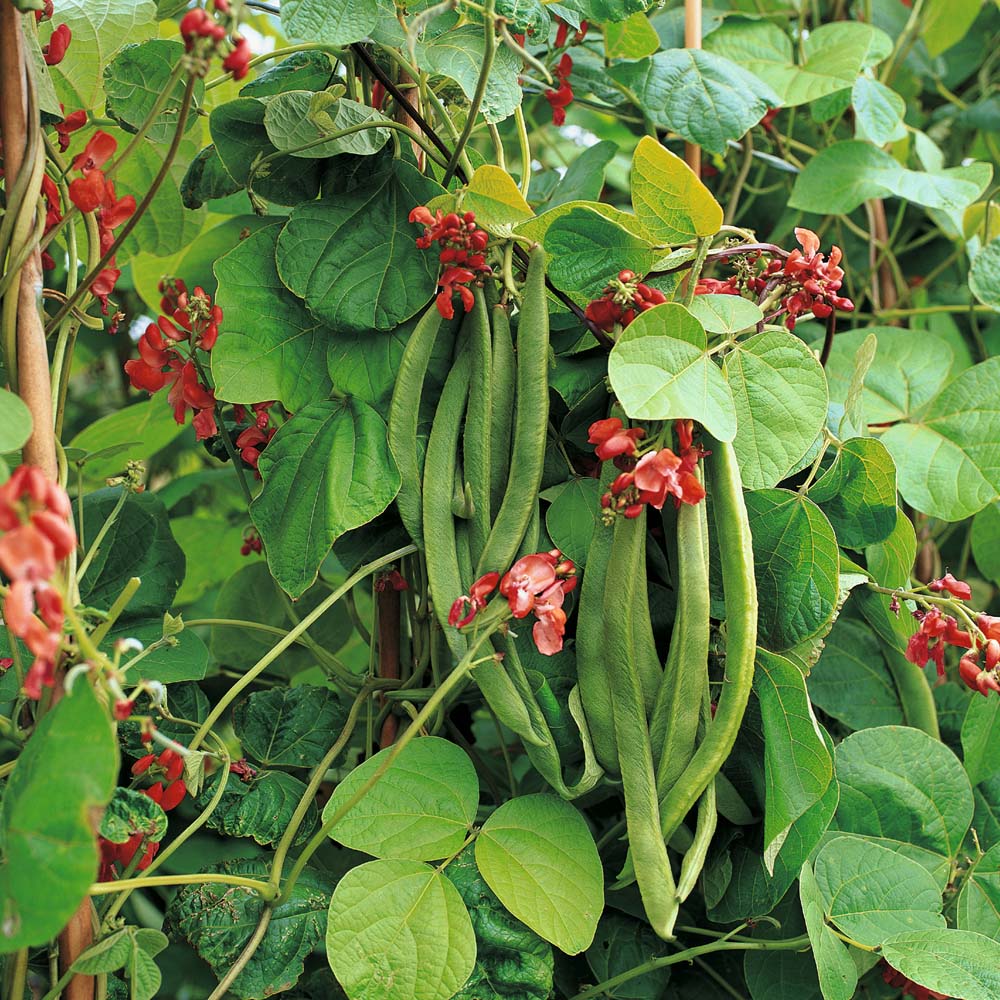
(621, 944)
(512, 961)
(842, 176)
(586, 249)
(15, 421)
(459, 54)
(537, 854)
(573, 516)
(726, 314)
(134, 81)
(796, 565)
(873, 893)
(984, 275)
(353, 257)
(327, 470)
(660, 370)
(703, 97)
(851, 681)
(981, 739)
(949, 462)
(336, 22)
(878, 111)
(185, 658)
(858, 493)
(421, 809)
(496, 200)
(798, 767)
(669, 198)
(838, 976)
(535, 229)
(130, 812)
(300, 118)
(780, 394)
(399, 930)
(901, 784)
(218, 920)
(48, 851)
(986, 541)
(138, 543)
(954, 963)
(271, 347)
(779, 975)
(289, 727)
(978, 906)
(584, 178)
(945, 22)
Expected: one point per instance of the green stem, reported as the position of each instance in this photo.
(285, 50)
(700, 254)
(244, 957)
(121, 603)
(522, 140)
(205, 878)
(290, 637)
(95, 545)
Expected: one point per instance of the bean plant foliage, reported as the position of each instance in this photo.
(499, 499)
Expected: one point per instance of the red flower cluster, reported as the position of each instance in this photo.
(814, 279)
(94, 192)
(909, 988)
(981, 680)
(949, 585)
(657, 474)
(713, 286)
(462, 246)
(562, 33)
(251, 542)
(195, 323)
(535, 584)
(937, 630)
(54, 52)
(623, 299)
(202, 34)
(168, 793)
(73, 121)
(45, 14)
(254, 439)
(562, 96)
(36, 521)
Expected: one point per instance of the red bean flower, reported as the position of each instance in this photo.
(948, 584)
(937, 631)
(462, 246)
(623, 298)
(54, 52)
(474, 600)
(613, 438)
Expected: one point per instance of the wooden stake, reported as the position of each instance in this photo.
(692, 40)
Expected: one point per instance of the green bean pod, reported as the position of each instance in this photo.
(504, 371)
(404, 414)
(478, 435)
(673, 725)
(732, 529)
(708, 820)
(647, 846)
(647, 660)
(530, 423)
(444, 574)
(591, 661)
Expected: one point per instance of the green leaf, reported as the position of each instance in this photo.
(978, 907)
(858, 493)
(134, 81)
(779, 975)
(529, 16)
(297, 118)
(512, 961)
(851, 681)
(952, 962)
(307, 70)
(421, 809)
(842, 176)
(399, 930)
(15, 421)
(668, 197)
(780, 395)
(326, 471)
(495, 198)
(659, 370)
(853, 421)
(138, 543)
(878, 111)
(584, 178)
(703, 97)
(335, 22)
(459, 54)
(100, 28)
(604, 11)
(196, 535)
(796, 565)
(984, 275)
(535, 229)
(838, 976)
(130, 812)
(891, 561)
(271, 346)
(573, 516)
(185, 658)
(986, 819)
(251, 593)
(726, 314)
(289, 727)
(586, 249)
(986, 541)
(241, 139)
(798, 768)
(949, 463)
(354, 259)
(901, 784)
(632, 38)
(981, 740)
(537, 854)
(48, 852)
(622, 944)
(873, 893)
(132, 949)
(260, 808)
(218, 920)
(945, 22)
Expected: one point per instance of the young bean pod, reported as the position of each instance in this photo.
(477, 439)
(647, 660)
(504, 369)
(530, 422)
(708, 820)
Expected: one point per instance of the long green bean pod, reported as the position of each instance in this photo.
(736, 553)
(530, 423)
(635, 758)
(708, 820)
(591, 661)
(404, 414)
(673, 725)
(444, 574)
(477, 439)
(647, 660)
(504, 370)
